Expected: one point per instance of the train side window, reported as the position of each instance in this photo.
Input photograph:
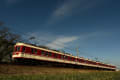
(49, 54)
(42, 52)
(32, 50)
(35, 50)
(73, 59)
(65, 57)
(23, 49)
(55, 55)
(62, 56)
(46, 54)
(70, 58)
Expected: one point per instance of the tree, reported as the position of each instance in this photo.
(7, 41)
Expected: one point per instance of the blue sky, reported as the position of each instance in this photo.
(91, 25)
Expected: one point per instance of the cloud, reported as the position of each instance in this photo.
(50, 40)
(61, 42)
(68, 8)
(63, 10)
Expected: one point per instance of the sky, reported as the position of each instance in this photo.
(92, 26)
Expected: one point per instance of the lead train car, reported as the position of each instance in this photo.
(30, 52)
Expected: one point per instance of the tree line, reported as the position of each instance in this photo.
(7, 41)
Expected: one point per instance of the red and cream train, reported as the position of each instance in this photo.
(28, 51)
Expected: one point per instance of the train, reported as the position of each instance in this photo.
(29, 52)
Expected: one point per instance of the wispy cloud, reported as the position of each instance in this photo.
(63, 10)
(68, 8)
(62, 42)
(50, 40)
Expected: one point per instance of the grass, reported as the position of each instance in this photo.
(20, 72)
(66, 76)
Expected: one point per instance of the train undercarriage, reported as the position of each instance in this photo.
(35, 62)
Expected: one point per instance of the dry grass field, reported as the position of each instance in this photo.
(22, 72)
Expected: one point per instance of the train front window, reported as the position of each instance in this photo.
(17, 48)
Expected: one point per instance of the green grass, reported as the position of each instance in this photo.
(66, 76)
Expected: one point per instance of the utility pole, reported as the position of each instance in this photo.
(96, 59)
(77, 53)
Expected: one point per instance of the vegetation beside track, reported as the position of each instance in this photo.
(66, 76)
(25, 72)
